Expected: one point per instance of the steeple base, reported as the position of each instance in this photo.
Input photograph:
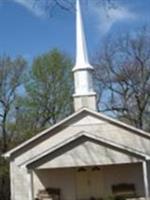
(87, 101)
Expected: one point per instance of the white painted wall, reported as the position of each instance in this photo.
(63, 179)
(19, 182)
(87, 153)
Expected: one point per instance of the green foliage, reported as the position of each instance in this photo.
(11, 71)
(48, 92)
(4, 180)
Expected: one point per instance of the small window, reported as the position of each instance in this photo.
(124, 189)
(49, 194)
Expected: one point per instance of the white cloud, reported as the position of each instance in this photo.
(32, 6)
(106, 18)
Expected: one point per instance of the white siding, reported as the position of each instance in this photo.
(87, 153)
(19, 183)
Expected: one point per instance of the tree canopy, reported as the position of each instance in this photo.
(123, 72)
(48, 87)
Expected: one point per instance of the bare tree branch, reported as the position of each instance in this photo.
(126, 77)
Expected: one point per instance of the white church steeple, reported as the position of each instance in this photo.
(81, 49)
(84, 95)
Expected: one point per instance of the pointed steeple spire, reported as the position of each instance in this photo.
(84, 95)
(81, 48)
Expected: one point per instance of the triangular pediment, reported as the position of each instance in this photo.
(85, 150)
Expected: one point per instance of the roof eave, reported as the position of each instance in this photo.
(99, 115)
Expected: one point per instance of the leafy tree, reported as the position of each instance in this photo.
(123, 69)
(48, 93)
(11, 71)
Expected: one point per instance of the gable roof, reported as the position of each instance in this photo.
(70, 118)
(89, 136)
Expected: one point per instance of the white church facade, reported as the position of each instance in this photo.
(86, 156)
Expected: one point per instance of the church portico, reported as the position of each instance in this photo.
(85, 183)
(86, 168)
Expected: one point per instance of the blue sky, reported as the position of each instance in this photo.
(28, 30)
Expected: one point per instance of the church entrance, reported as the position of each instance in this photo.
(89, 183)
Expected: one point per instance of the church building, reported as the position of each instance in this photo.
(86, 156)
